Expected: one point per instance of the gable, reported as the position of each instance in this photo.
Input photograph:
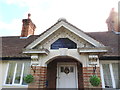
(63, 33)
(57, 29)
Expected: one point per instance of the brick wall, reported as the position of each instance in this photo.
(84, 73)
(28, 28)
(87, 72)
(39, 77)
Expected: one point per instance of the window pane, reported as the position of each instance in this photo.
(107, 76)
(115, 72)
(26, 71)
(18, 73)
(62, 69)
(10, 73)
(71, 69)
(64, 43)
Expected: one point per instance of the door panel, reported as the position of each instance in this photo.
(67, 77)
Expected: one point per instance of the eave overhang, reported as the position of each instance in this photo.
(110, 58)
(69, 27)
(15, 58)
(93, 50)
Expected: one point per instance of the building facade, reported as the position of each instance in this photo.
(61, 57)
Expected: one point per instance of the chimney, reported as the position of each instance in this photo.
(28, 27)
(112, 21)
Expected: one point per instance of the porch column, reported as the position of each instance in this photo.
(40, 75)
(92, 68)
(87, 73)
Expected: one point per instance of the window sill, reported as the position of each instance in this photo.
(110, 89)
(14, 86)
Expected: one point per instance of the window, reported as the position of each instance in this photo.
(70, 69)
(64, 43)
(107, 76)
(110, 75)
(16, 72)
(116, 74)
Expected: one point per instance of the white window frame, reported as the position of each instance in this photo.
(111, 72)
(102, 76)
(112, 75)
(6, 74)
(14, 74)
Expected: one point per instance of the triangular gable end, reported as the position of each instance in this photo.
(67, 25)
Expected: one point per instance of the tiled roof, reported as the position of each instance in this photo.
(12, 46)
(109, 39)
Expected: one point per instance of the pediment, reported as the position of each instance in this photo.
(63, 29)
(60, 34)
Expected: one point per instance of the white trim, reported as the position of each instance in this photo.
(86, 51)
(76, 75)
(67, 63)
(82, 35)
(95, 49)
(21, 78)
(38, 52)
(112, 76)
(111, 73)
(14, 74)
(116, 32)
(70, 28)
(41, 38)
(14, 86)
(24, 37)
(6, 74)
(108, 61)
(102, 76)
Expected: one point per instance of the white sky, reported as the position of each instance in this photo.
(87, 15)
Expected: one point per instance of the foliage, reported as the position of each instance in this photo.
(17, 78)
(29, 78)
(95, 80)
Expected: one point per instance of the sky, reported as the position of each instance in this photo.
(87, 15)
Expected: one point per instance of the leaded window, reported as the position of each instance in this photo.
(64, 43)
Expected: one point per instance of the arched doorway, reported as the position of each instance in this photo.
(64, 72)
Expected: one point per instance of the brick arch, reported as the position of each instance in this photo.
(52, 71)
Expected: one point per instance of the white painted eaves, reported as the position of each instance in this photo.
(68, 26)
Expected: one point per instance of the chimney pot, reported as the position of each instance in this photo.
(29, 15)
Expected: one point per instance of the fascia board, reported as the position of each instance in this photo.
(69, 27)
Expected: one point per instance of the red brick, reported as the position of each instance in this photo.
(40, 77)
(87, 72)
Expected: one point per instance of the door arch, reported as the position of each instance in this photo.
(52, 71)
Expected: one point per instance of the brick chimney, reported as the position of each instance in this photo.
(28, 27)
(112, 21)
